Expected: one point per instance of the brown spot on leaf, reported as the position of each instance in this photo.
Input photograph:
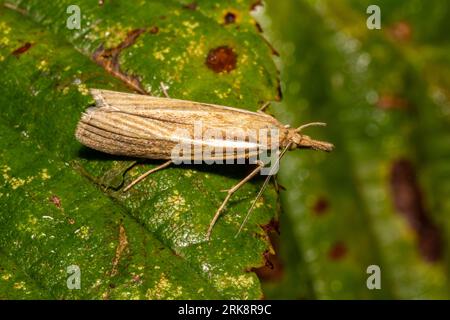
(221, 59)
(388, 102)
(430, 243)
(337, 251)
(272, 226)
(408, 201)
(191, 6)
(229, 18)
(255, 5)
(22, 49)
(401, 31)
(321, 206)
(154, 30)
(109, 60)
(121, 247)
(279, 95)
(137, 279)
(273, 267)
(258, 27)
(56, 201)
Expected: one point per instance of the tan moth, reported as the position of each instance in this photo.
(152, 127)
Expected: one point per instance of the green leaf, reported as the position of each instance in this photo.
(382, 196)
(61, 204)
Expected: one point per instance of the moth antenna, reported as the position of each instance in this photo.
(312, 124)
(264, 186)
(266, 182)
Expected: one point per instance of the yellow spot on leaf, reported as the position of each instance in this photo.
(241, 282)
(19, 285)
(163, 289)
(44, 174)
(13, 181)
(190, 25)
(4, 31)
(83, 232)
(6, 276)
(43, 66)
(159, 55)
(32, 220)
(83, 89)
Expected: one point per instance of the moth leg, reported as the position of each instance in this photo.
(230, 193)
(164, 89)
(143, 176)
(264, 107)
(322, 124)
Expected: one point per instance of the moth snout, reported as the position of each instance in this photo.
(308, 143)
(302, 141)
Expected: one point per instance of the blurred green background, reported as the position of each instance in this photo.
(382, 197)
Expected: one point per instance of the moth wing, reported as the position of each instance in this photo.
(183, 111)
(150, 127)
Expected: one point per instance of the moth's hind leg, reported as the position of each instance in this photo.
(143, 176)
(230, 193)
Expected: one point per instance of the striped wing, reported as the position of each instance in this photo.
(151, 127)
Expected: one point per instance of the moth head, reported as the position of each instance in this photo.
(298, 140)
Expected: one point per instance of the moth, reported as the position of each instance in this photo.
(153, 127)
